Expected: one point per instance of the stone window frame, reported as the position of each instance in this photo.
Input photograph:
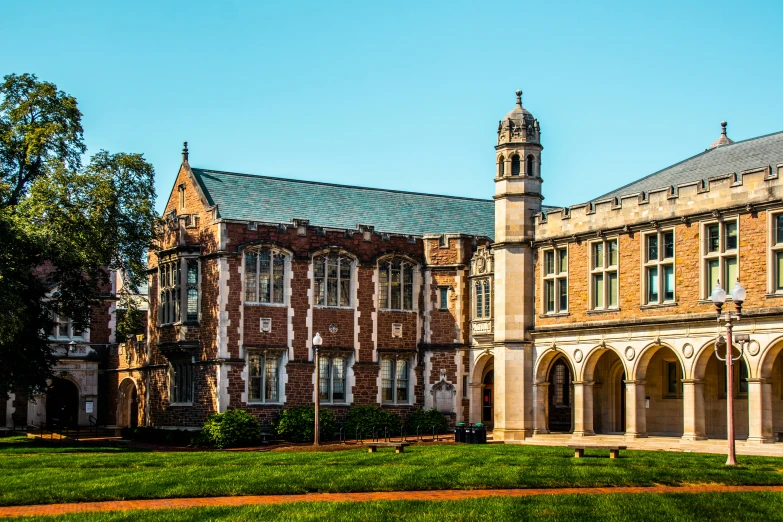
(501, 168)
(181, 196)
(721, 255)
(328, 380)
(658, 264)
(775, 249)
(443, 298)
(384, 266)
(174, 380)
(487, 305)
(341, 255)
(394, 378)
(273, 251)
(174, 305)
(603, 271)
(58, 322)
(557, 278)
(280, 356)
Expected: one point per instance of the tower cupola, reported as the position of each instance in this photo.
(519, 143)
(518, 126)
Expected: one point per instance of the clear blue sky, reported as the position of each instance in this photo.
(407, 95)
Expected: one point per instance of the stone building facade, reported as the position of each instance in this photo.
(588, 319)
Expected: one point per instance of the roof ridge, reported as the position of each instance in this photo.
(705, 151)
(340, 185)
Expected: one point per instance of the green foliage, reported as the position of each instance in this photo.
(74, 221)
(232, 428)
(365, 418)
(297, 424)
(159, 436)
(423, 421)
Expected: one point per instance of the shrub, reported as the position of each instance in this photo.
(365, 418)
(424, 420)
(297, 424)
(159, 436)
(232, 428)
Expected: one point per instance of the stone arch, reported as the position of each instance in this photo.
(767, 359)
(592, 358)
(547, 358)
(484, 363)
(530, 165)
(702, 357)
(128, 403)
(645, 356)
(501, 171)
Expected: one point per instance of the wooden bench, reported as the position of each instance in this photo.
(399, 447)
(579, 450)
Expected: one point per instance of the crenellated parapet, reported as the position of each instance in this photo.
(757, 188)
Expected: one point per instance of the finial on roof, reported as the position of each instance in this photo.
(724, 139)
(519, 97)
(185, 152)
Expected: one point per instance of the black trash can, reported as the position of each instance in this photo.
(479, 434)
(459, 432)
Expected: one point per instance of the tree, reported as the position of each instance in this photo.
(63, 227)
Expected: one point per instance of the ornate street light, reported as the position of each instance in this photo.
(718, 297)
(317, 342)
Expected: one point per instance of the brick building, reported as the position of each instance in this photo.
(594, 318)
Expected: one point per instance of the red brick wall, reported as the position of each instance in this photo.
(253, 336)
(384, 333)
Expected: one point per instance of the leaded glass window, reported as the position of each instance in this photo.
(264, 377)
(264, 276)
(396, 285)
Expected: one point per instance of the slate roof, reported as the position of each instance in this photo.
(276, 200)
(736, 157)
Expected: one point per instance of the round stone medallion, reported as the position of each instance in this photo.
(578, 355)
(754, 348)
(630, 353)
(687, 350)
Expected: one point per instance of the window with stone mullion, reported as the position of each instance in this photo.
(658, 260)
(264, 277)
(169, 281)
(394, 381)
(721, 256)
(396, 285)
(555, 271)
(264, 381)
(332, 281)
(604, 285)
(777, 253)
(332, 379)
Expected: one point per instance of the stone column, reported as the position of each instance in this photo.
(760, 411)
(541, 408)
(693, 410)
(635, 410)
(476, 402)
(583, 408)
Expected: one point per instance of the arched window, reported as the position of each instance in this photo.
(501, 167)
(515, 167)
(264, 276)
(396, 285)
(529, 167)
(332, 274)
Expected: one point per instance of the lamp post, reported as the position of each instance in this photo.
(317, 342)
(719, 298)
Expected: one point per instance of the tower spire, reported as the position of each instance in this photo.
(185, 152)
(519, 97)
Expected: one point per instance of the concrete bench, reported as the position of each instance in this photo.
(579, 450)
(399, 447)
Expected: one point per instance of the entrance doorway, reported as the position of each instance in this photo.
(129, 404)
(62, 404)
(487, 404)
(560, 397)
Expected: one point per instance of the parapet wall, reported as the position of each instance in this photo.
(751, 187)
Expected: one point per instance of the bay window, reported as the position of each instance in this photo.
(174, 304)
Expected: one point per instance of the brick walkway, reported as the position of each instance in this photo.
(251, 500)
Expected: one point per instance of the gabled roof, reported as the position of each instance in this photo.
(276, 200)
(735, 157)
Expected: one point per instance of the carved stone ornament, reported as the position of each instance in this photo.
(443, 395)
(754, 348)
(396, 330)
(578, 356)
(687, 350)
(333, 328)
(266, 324)
(630, 353)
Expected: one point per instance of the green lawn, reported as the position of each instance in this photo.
(582, 508)
(33, 473)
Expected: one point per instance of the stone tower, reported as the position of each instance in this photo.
(517, 200)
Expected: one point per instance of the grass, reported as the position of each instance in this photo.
(583, 508)
(39, 473)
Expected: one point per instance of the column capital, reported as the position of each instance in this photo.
(761, 380)
(637, 382)
(693, 381)
(585, 383)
